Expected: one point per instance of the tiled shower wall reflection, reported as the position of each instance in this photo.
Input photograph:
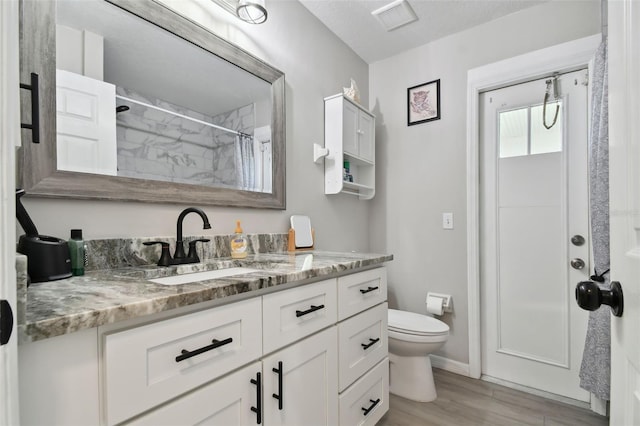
(160, 146)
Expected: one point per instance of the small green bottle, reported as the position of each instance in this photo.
(76, 250)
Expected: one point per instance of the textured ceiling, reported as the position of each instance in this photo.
(351, 21)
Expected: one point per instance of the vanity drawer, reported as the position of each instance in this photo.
(361, 291)
(147, 365)
(367, 400)
(362, 343)
(293, 314)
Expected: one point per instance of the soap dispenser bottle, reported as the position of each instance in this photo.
(77, 252)
(238, 243)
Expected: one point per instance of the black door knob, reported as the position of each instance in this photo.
(590, 297)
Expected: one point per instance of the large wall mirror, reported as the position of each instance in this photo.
(140, 103)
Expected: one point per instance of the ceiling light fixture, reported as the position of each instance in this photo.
(252, 11)
(395, 15)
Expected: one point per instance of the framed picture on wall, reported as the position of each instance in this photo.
(423, 103)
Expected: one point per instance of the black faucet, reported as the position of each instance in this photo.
(179, 255)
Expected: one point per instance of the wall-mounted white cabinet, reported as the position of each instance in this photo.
(349, 135)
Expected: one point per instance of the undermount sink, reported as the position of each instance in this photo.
(202, 276)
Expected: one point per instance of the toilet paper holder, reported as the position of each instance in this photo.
(446, 300)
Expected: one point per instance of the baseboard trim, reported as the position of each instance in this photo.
(537, 392)
(450, 365)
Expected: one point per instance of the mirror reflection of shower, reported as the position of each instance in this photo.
(161, 141)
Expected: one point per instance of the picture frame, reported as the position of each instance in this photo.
(423, 103)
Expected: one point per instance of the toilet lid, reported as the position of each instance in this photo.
(412, 323)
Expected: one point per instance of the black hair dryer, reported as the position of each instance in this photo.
(48, 257)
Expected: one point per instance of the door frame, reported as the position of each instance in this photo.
(9, 141)
(565, 57)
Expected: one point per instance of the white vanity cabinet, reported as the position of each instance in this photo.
(349, 135)
(313, 354)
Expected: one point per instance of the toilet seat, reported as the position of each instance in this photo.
(410, 323)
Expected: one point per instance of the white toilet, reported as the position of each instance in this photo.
(412, 337)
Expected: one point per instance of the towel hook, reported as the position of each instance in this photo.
(551, 83)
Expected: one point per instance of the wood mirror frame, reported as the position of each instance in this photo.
(37, 169)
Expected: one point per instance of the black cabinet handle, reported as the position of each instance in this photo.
(369, 289)
(371, 407)
(308, 311)
(372, 342)
(214, 344)
(279, 395)
(258, 408)
(35, 108)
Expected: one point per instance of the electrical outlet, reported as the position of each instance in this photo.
(447, 220)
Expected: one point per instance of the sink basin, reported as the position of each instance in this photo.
(202, 276)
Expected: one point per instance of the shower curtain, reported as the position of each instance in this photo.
(595, 371)
(245, 162)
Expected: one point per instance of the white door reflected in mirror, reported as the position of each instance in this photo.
(86, 124)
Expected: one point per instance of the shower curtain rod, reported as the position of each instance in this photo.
(186, 117)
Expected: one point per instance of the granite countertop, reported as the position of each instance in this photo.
(106, 296)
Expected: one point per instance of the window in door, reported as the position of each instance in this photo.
(522, 131)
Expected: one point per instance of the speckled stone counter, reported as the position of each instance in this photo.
(21, 287)
(105, 296)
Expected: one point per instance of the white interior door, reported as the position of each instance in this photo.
(624, 182)
(86, 124)
(9, 140)
(533, 199)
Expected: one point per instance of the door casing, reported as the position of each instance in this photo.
(564, 57)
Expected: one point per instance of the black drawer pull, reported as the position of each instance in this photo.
(369, 289)
(214, 344)
(308, 311)
(35, 108)
(279, 395)
(371, 407)
(372, 342)
(258, 408)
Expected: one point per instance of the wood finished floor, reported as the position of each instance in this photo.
(464, 401)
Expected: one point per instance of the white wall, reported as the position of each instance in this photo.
(316, 64)
(422, 168)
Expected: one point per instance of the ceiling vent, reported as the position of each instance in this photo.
(395, 14)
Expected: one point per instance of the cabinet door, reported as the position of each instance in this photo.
(349, 128)
(305, 383)
(227, 401)
(366, 136)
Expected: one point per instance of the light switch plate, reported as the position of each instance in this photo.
(447, 220)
